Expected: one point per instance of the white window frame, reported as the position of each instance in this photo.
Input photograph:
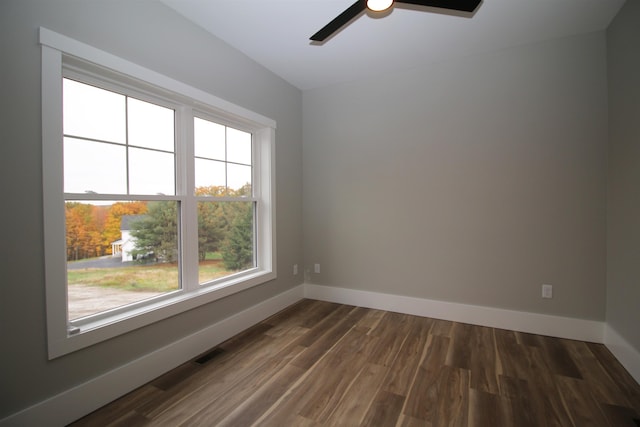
(61, 54)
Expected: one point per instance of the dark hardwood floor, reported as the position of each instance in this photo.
(324, 364)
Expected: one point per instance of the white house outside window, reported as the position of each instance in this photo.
(158, 197)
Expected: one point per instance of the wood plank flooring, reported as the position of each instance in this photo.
(324, 364)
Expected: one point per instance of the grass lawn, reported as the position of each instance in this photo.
(150, 278)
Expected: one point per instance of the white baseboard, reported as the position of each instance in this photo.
(74, 403)
(623, 351)
(542, 324)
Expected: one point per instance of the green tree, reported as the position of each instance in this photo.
(213, 221)
(222, 226)
(156, 233)
(237, 251)
(215, 218)
(212, 227)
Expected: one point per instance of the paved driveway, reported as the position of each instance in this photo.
(107, 261)
(85, 300)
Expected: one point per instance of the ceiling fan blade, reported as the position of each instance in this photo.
(340, 21)
(462, 5)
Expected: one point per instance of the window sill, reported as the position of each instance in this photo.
(95, 329)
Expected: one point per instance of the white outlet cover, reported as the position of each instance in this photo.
(547, 291)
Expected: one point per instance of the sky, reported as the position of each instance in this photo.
(120, 145)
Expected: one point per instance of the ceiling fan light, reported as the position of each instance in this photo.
(379, 5)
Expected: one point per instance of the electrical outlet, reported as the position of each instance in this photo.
(295, 269)
(316, 268)
(547, 291)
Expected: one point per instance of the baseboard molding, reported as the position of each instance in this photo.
(85, 398)
(74, 403)
(556, 326)
(623, 351)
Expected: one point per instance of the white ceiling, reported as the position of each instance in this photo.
(275, 33)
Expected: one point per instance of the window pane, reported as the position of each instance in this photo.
(94, 167)
(210, 173)
(238, 146)
(93, 113)
(209, 139)
(225, 239)
(119, 253)
(151, 172)
(239, 179)
(150, 125)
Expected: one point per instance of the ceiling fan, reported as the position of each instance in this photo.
(382, 5)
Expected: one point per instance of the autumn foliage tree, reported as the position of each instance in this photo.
(90, 229)
(83, 222)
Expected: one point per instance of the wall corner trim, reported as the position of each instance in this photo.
(74, 403)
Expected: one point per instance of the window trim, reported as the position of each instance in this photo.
(58, 52)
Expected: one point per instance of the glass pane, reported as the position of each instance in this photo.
(150, 125)
(94, 113)
(209, 173)
(119, 253)
(239, 179)
(238, 146)
(209, 139)
(225, 239)
(151, 172)
(94, 167)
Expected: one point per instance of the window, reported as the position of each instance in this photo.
(157, 197)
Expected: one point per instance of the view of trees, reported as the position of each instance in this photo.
(91, 229)
(223, 227)
(156, 233)
(237, 249)
(111, 231)
(226, 227)
(84, 222)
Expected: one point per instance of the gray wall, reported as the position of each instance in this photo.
(473, 181)
(152, 35)
(623, 214)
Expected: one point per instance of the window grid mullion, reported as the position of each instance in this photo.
(226, 157)
(126, 141)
